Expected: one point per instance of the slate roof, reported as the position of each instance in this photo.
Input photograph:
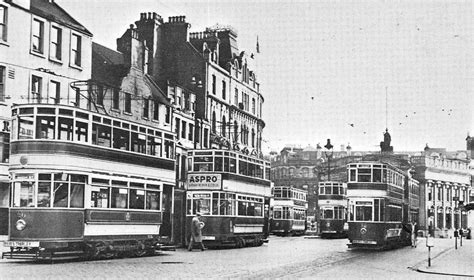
(52, 11)
(108, 55)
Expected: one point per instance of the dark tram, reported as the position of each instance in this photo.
(332, 208)
(383, 200)
(231, 191)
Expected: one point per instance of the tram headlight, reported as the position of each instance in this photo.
(20, 224)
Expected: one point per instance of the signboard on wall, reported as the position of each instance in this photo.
(204, 181)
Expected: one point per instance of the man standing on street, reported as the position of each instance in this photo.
(196, 234)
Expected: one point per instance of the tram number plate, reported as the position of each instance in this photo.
(21, 243)
(208, 238)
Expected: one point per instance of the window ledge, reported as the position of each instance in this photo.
(127, 113)
(5, 43)
(115, 110)
(75, 67)
(55, 60)
(35, 53)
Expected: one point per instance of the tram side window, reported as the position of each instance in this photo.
(100, 197)
(101, 135)
(152, 200)
(377, 175)
(60, 194)
(77, 191)
(215, 204)
(218, 163)
(394, 213)
(121, 139)
(364, 175)
(44, 193)
(328, 190)
(352, 175)
(154, 146)
(119, 198)
(169, 148)
(25, 130)
(138, 143)
(23, 194)
(137, 199)
(81, 131)
(45, 127)
(65, 129)
(227, 204)
(277, 192)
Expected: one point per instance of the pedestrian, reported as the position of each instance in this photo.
(196, 234)
(413, 234)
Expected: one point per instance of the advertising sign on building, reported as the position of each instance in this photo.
(204, 181)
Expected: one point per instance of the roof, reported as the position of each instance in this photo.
(156, 91)
(108, 55)
(52, 11)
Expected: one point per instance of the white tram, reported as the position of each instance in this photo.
(86, 184)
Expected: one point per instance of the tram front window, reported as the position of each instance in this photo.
(363, 211)
(23, 194)
(327, 213)
(44, 194)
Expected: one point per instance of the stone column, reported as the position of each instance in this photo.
(443, 203)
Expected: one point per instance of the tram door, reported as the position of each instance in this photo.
(165, 229)
(266, 220)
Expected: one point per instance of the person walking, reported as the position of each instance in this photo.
(196, 234)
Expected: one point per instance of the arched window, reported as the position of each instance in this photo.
(214, 122)
(223, 126)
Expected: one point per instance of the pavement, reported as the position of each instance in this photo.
(448, 261)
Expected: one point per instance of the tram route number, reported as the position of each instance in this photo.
(21, 243)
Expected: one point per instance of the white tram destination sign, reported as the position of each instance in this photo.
(204, 181)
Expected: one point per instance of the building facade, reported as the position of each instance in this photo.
(445, 185)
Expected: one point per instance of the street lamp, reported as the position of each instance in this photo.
(329, 153)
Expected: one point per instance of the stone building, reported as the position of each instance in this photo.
(42, 50)
(445, 185)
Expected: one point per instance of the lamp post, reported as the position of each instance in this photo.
(329, 153)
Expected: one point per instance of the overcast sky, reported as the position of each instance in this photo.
(326, 67)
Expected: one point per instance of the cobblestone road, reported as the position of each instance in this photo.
(290, 257)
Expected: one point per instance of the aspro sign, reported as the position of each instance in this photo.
(204, 181)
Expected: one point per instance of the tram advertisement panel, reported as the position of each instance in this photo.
(204, 181)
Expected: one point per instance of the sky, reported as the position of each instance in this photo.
(344, 70)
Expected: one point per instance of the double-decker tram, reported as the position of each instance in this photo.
(380, 205)
(289, 207)
(86, 184)
(231, 191)
(332, 209)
